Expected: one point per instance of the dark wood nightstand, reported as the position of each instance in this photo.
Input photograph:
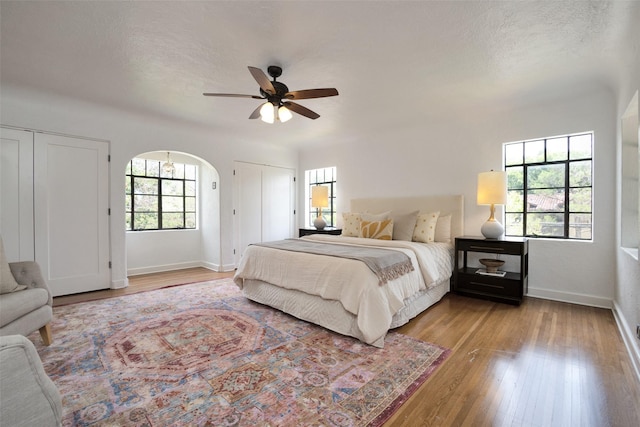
(510, 288)
(326, 230)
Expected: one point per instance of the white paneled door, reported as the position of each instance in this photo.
(263, 205)
(71, 189)
(16, 194)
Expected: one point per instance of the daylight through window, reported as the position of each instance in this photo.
(549, 187)
(157, 200)
(326, 177)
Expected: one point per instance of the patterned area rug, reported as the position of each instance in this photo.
(202, 354)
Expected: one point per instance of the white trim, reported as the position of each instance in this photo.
(119, 284)
(177, 266)
(627, 336)
(570, 297)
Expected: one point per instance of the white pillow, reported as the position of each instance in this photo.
(425, 229)
(443, 229)
(403, 225)
(368, 216)
(351, 224)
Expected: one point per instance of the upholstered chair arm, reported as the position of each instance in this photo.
(28, 273)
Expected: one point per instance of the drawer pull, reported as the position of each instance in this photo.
(486, 247)
(488, 285)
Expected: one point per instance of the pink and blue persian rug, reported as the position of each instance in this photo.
(202, 354)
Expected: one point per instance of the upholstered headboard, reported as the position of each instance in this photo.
(453, 204)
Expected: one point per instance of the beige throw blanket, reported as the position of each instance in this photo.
(384, 263)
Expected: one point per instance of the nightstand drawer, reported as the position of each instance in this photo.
(491, 286)
(499, 247)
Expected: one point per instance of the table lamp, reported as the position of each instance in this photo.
(492, 191)
(319, 200)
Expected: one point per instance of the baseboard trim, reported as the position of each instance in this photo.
(166, 267)
(573, 298)
(629, 339)
(119, 284)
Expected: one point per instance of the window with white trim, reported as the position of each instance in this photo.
(549, 187)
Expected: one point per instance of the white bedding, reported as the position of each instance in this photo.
(349, 281)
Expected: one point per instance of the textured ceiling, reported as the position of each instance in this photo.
(393, 62)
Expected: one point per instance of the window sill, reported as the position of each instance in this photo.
(633, 252)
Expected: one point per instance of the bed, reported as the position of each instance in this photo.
(347, 295)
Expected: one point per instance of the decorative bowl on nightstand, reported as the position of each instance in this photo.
(491, 264)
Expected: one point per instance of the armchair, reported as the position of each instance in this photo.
(29, 397)
(25, 301)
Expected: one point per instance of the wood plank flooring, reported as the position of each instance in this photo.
(543, 363)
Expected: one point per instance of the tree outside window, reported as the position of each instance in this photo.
(549, 187)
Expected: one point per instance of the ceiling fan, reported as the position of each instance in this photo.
(278, 106)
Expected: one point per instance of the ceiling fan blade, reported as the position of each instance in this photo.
(303, 111)
(256, 112)
(233, 95)
(262, 80)
(311, 93)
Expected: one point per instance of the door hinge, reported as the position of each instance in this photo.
(294, 211)
(234, 172)
(234, 211)
(294, 179)
(109, 211)
(234, 251)
(108, 157)
(109, 264)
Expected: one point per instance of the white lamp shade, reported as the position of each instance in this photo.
(267, 112)
(319, 196)
(492, 188)
(284, 114)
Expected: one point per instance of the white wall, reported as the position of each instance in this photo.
(627, 289)
(131, 134)
(445, 157)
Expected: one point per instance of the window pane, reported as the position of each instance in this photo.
(127, 203)
(545, 224)
(190, 188)
(178, 173)
(546, 176)
(138, 167)
(171, 204)
(515, 200)
(128, 169)
(534, 152)
(580, 174)
(513, 154)
(128, 221)
(513, 223)
(171, 188)
(190, 220)
(580, 147)
(580, 226)
(153, 168)
(545, 200)
(557, 149)
(145, 203)
(127, 185)
(190, 204)
(580, 200)
(145, 185)
(145, 221)
(515, 178)
(172, 220)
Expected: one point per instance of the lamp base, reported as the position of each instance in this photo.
(492, 229)
(319, 223)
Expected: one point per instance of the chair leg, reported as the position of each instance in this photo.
(45, 333)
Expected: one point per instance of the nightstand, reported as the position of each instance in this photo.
(509, 288)
(326, 230)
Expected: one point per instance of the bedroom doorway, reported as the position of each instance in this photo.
(172, 215)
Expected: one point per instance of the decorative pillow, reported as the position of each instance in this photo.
(403, 225)
(7, 281)
(382, 230)
(368, 216)
(351, 224)
(443, 229)
(426, 227)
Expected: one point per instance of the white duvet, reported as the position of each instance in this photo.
(349, 281)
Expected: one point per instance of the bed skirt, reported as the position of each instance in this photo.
(331, 314)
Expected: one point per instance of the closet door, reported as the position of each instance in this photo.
(263, 205)
(16, 194)
(71, 213)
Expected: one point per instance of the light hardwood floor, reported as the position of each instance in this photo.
(543, 363)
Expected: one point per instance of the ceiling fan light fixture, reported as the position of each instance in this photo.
(267, 112)
(284, 114)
